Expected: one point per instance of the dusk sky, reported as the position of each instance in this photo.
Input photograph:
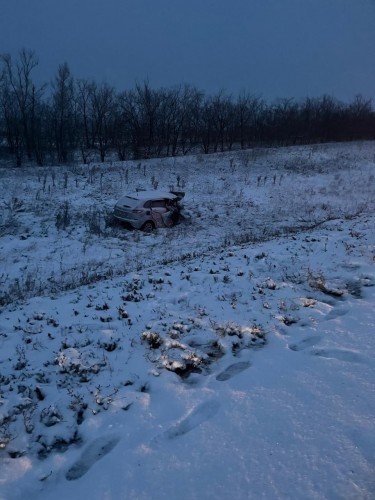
(272, 48)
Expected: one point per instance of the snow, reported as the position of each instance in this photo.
(232, 357)
(146, 195)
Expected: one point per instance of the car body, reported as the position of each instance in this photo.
(147, 210)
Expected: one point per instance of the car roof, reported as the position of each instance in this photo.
(151, 195)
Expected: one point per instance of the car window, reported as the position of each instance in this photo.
(128, 201)
(147, 204)
(158, 204)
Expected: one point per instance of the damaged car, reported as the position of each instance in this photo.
(147, 210)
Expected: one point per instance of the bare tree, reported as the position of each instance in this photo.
(146, 122)
(102, 99)
(63, 112)
(360, 119)
(142, 109)
(148, 102)
(83, 117)
(248, 114)
(285, 121)
(206, 125)
(26, 95)
(11, 119)
(122, 136)
(193, 100)
(132, 120)
(222, 111)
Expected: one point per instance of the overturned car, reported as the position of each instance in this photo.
(148, 210)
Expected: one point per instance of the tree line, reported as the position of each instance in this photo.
(78, 118)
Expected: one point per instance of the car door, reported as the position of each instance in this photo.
(158, 208)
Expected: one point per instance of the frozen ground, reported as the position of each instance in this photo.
(229, 358)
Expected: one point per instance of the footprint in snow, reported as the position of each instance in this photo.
(90, 455)
(233, 370)
(305, 343)
(203, 412)
(355, 288)
(365, 442)
(335, 313)
(340, 354)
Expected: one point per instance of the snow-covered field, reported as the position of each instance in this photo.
(232, 357)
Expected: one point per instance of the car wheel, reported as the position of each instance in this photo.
(148, 227)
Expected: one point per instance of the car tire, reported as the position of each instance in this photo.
(148, 227)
